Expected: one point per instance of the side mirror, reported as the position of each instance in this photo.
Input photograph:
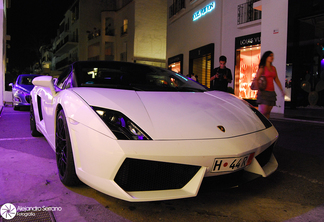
(11, 84)
(45, 81)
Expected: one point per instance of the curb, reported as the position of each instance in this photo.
(1, 108)
(296, 120)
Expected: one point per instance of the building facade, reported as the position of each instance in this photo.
(200, 31)
(80, 21)
(190, 35)
(121, 30)
(5, 96)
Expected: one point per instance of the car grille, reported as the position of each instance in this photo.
(264, 157)
(145, 175)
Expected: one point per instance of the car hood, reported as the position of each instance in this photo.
(26, 88)
(178, 115)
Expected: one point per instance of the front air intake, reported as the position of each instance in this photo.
(264, 157)
(145, 175)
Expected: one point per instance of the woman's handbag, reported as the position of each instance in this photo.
(260, 84)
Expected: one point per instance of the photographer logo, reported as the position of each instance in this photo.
(8, 211)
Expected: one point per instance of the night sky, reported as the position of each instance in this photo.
(32, 23)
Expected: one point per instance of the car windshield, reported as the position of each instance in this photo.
(133, 77)
(26, 80)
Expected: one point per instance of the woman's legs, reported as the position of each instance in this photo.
(265, 110)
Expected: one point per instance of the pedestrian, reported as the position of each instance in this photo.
(197, 80)
(192, 76)
(267, 98)
(221, 76)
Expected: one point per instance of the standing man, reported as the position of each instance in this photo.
(221, 76)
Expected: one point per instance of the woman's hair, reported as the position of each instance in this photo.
(264, 58)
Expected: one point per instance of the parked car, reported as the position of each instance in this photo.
(142, 133)
(21, 90)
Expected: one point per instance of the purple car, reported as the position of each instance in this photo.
(21, 90)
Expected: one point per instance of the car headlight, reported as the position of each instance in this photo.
(122, 127)
(263, 119)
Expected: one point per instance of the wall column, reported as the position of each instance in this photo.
(274, 29)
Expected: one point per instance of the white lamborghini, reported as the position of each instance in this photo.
(142, 133)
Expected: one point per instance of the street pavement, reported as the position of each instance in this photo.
(300, 154)
(293, 193)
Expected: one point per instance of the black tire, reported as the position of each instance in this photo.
(64, 155)
(33, 130)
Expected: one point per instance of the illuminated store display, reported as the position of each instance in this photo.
(247, 49)
(245, 70)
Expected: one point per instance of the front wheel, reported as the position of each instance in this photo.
(64, 155)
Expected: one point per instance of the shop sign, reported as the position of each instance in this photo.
(204, 11)
(250, 41)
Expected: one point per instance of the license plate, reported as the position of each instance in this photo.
(232, 164)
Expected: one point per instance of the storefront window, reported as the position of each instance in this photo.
(288, 82)
(201, 63)
(247, 62)
(202, 69)
(175, 63)
(305, 54)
